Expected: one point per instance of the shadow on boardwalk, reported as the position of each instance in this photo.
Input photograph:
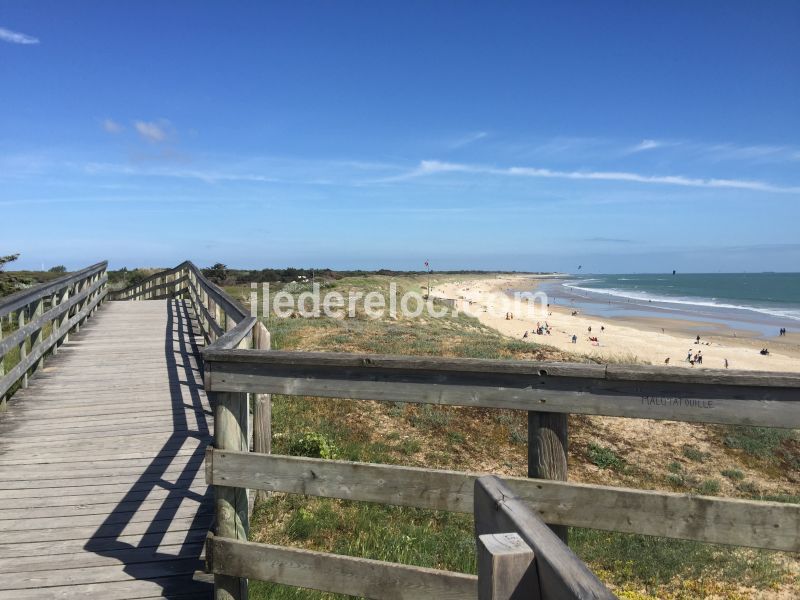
(167, 542)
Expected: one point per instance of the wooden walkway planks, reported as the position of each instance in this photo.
(102, 488)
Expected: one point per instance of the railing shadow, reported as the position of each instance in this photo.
(165, 546)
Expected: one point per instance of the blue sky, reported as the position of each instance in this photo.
(623, 136)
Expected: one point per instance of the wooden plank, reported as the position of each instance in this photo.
(335, 573)
(769, 525)
(769, 399)
(182, 586)
(561, 574)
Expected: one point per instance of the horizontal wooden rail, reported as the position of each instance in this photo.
(769, 525)
(765, 399)
(25, 298)
(335, 573)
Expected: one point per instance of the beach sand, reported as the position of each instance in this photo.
(639, 339)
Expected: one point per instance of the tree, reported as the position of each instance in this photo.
(58, 269)
(217, 273)
(4, 260)
(7, 283)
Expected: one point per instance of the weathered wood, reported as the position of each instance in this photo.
(38, 322)
(20, 369)
(14, 302)
(335, 573)
(121, 516)
(505, 568)
(3, 401)
(232, 510)
(770, 525)
(23, 349)
(262, 409)
(749, 399)
(547, 452)
(561, 574)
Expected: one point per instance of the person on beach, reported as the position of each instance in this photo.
(574, 339)
(689, 356)
(726, 363)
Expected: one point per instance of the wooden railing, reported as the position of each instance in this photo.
(240, 374)
(768, 399)
(39, 319)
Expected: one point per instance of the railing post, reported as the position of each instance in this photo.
(547, 452)
(64, 317)
(23, 346)
(505, 568)
(262, 407)
(36, 337)
(2, 368)
(230, 433)
(79, 285)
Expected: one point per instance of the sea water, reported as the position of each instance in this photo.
(760, 302)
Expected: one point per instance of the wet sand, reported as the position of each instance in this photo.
(649, 339)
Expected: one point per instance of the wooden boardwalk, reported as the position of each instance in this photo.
(102, 487)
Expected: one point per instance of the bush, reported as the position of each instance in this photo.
(605, 458)
(694, 454)
(710, 487)
(735, 474)
(313, 445)
(58, 269)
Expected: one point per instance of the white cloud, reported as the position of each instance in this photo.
(467, 139)
(645, 145)
(12, 37)
(433, 167)
(151, 131)
(111, 126)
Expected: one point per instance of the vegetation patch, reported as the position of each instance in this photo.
(605, 458)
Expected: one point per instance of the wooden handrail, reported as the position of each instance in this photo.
(28, 296)
(765, 399)
(72, 299)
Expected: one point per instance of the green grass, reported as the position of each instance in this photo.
(760, 442)
(633, 561)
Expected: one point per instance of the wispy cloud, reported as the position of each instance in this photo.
(433, 167)
(111, 126)
(645, 145)
(152, 131)
(13, 37)
(467, 140)
(608, 240)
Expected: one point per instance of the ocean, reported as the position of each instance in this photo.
(759, 302)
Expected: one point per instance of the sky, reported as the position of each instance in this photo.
(619, 136)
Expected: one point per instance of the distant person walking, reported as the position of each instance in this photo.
(726, 363)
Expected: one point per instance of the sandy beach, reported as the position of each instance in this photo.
(619, 339)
